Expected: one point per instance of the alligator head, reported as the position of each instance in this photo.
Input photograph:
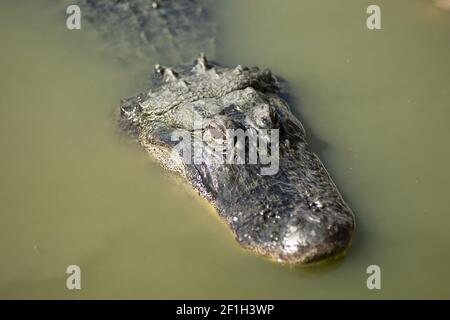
(203, 120)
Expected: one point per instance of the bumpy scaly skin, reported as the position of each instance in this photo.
(172, 30)
(296, 216)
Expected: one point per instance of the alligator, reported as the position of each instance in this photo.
(293, 214)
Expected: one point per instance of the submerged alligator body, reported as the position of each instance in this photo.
(173, 31)
(294, 214)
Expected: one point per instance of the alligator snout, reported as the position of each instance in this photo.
(304, 231)
(313, 240)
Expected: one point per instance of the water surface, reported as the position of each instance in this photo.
(73, 190)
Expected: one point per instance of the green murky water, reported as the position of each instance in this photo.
(74, 191)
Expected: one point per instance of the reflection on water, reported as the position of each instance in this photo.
(73, 190)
